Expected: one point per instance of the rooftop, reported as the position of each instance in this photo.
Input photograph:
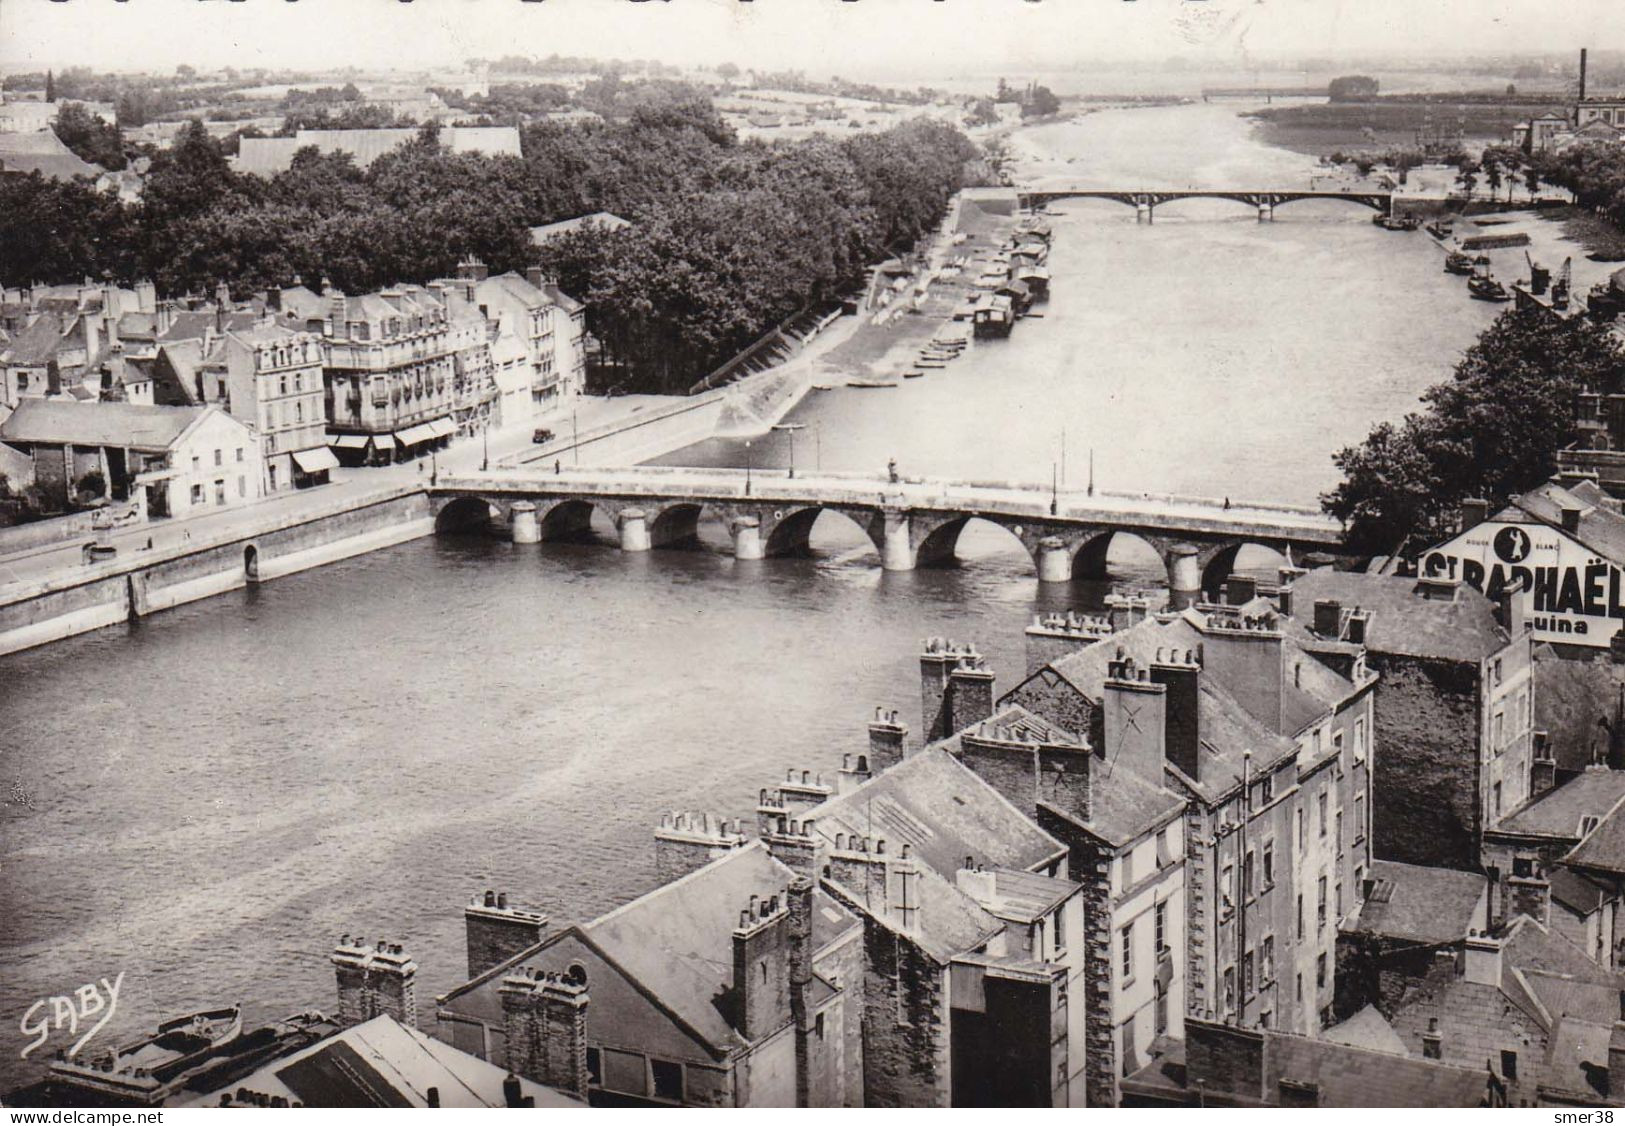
(44, 153)
(1417, 904)
(1602, 851)
(601, 219)
(1403, 621)
(1367, 1029)
(1557, 812)
(268, 156)
(118, 425)
(1600, 528)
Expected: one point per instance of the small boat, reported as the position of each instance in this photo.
(1398, 222)
(143, 1070)
(913, 374)
(870, 383)
(1455, 262)
(1486, 288)
(1442, 228)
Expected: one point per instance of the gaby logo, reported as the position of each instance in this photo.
(53, 1014)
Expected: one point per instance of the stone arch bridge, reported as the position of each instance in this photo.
(1146, 202)
(912, 523)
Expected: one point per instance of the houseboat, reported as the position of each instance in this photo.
(994, 317)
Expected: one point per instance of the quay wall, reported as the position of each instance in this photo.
(142, 583)
(650, 433)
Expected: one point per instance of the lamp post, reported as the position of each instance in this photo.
(792, 427)
(748, 458)
(485, 445)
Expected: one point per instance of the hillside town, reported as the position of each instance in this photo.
(588, 762)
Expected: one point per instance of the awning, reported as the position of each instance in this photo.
(384, 442)
(413, 435)
(443, 427)
(318, 460)
(350, 441)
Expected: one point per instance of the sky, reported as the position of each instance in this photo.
(856, 38)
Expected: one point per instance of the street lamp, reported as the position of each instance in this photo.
(747, 467)
(485, 442)
(792, 427)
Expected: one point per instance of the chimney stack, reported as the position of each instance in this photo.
(1570, 517)
(1582, 74)
(886, 735)
(970, 692)
(799, 907)
(802, 790)
(497, 932)
(1135, 711)
(854, 773)
(1328, 617)
(859, 865)
(1180, 672)
(1482, 964)
(686, 842)
(937, 661)
(1474, 511)
(374, 981)
(761, 969)
(1240, 590)
(545, 1015)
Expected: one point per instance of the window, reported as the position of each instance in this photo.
(282, 385)
(1128, 953)
(1586, 825)
(1269, 864)
(1497, 797)
(1359, 818)
(1320, 914)
(1337, 743)
(197, 463)
(1060, 929)
(1339, 837)
(595, 1068)
(1164, 857)
(818, 1026)
(1321, 802)
(1128, 867)
(1498, 670)
(1266, 963)
(668, 1079)
(1264, 1019)
(197, 494)
(1303, 840)
(242, 485)
(1129, 1060)
(1337, 891)
(1247, 877)
(1300, 916)
(1266, 790)
(1320, 971)
(218, 458)
(239, 455)
(1300, 988)
(1248, 986)
(220, 492)
(1227, 886)
(22, 381)
(1159, 917)
(1229, 987)
(1359, 740)
(299, 412)
(1160, 1010)
(1497, 739)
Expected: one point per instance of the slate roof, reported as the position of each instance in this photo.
(1601, 529)
(1575, 892)
(44, 153)
(183, 358)
(383, 1063)
(35, 344)
(1367, 1029)
(1028, 896)
(1532, 948)
(191, 325)
(1602, 851)
(678, 939)
(1417, 904)
(1577, 1059)
(948, 922)
(1403, 622)
(1557, 812)
(119, 425)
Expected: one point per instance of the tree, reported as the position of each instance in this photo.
(1351, 88)
(1493, 431)
(90, 137)
(982, 112)
(1041, 102)
(728, 71)
(1467, 174)
(186, 72)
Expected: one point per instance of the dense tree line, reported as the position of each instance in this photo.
(726, 239)
(1493, 431)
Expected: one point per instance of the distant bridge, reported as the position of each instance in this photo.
(1146, 202)
(1268, 93)
(911, 523)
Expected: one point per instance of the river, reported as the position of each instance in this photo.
(205, 801)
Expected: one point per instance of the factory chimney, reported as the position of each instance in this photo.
(1582, 74)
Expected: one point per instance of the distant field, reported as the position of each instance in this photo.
(1324, 127)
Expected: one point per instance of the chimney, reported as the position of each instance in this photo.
(1433, 1041)
(1245, 656)
(273, 299)
(1482, 965)
(534, 275)
(1181, 674)
(1064, 780)
(497, 932)
(1570, 516)
(854, 773)
(92, 330)
(545, 1016)
(937, 662)
(977, 884)
(970, 692)
(799, 902)
(686, 842)
(1474, 511)
(472, 269)
(886, 735)
(1135, 719)
(1126, 611)
(791, 842)
(379, 980)
(1053, 636)
(1240, 590)
(1283, 599)
(1509, 607)
(512, 1090)
(1355, 627)
(1530, 895)
(1328, 617)
(165, 317)
(770, 810)
(146, 296)
(802, 790)
(222, 296)
(1582, 74)
(761, 969)
(859, 865)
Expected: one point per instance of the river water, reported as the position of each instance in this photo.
(205, 801)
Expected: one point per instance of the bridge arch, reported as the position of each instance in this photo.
(939, 546)
(571, 520)
(465, 514)
(1228, 558)
(1089, 562)
(677, 525)
(790, 530)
